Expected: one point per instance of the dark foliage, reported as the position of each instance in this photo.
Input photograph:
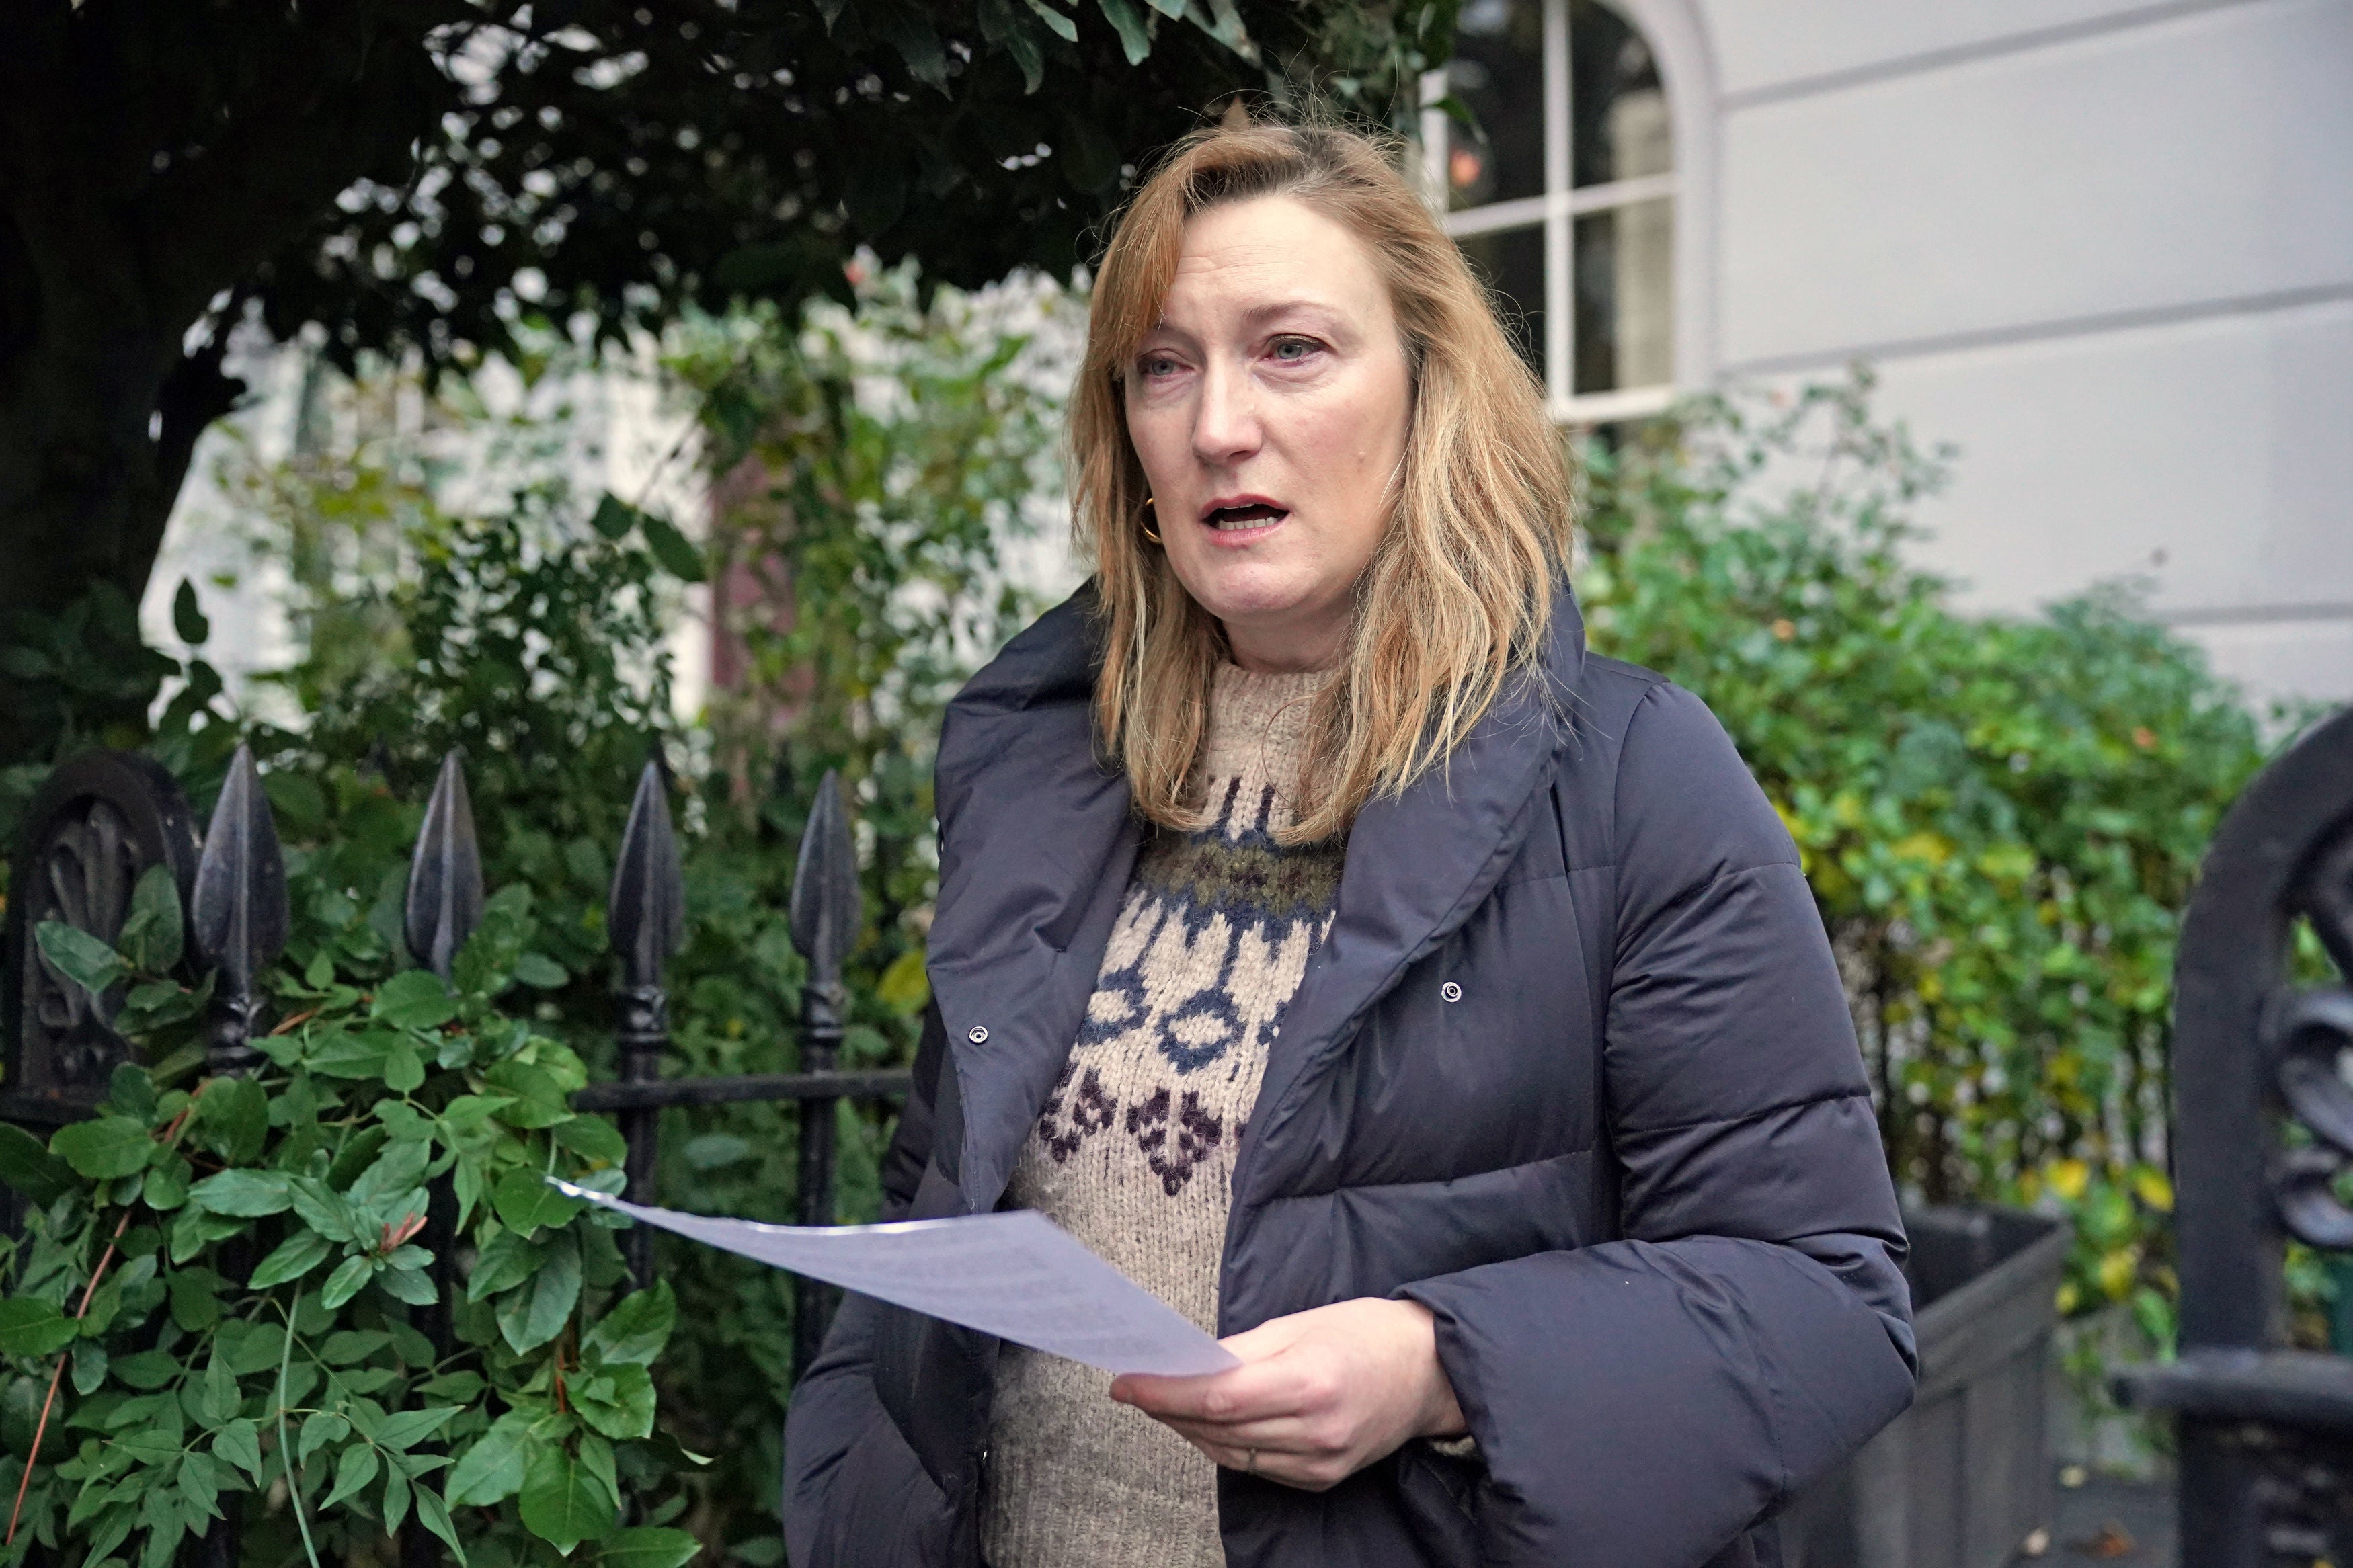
(426, 174)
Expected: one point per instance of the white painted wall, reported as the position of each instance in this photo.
(2105, 247)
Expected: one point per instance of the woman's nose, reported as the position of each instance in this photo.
(1226, 425)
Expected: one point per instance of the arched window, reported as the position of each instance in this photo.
(1563, 196)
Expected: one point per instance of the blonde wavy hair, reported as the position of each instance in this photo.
(1459, 594)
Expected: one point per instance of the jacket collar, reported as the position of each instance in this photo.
(1036, 841)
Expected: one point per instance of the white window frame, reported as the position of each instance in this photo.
(1557, 209)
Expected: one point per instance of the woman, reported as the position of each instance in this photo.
(1436, 1012)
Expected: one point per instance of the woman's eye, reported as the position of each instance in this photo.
(1291, 351)
(1157, 365)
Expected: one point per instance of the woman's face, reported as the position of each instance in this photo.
(1270, 409)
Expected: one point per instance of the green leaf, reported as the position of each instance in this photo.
(129, 1090)
(458, 1387)
(562, 1503)
(595, 1139)
(161, 1512)
(1062, 27)
(239, 1443)
(538, 1099)
(679, 555)
(188, 619)
(146, 1369)
(715, 1150)
(152, 936)
(434, 1514)
(318, 1431)
(617, 1401)
(535, 1314)
(78, 956)
(1133, 38)
(250, 1347)
(325, 1210)
(291, 1259)
(353, 1346)
(525, 1202)
(395, 1498)
(356, 1468)
(357, 1155)
(493, 1469)
(346, 1281)
(90, 1363)
(347, 1054)
(643, 1547)
(409, 1285)
(1003, 28)
(30, 1328)
(200, 1483)
(168, 1186)
(536, 969)
(195, 1297)
(415, 999)
(195, 1229)
(217, 1396)
(635, 1330)
(404, 1429)
(105, 1302)
(235, 1115)
(393, 1176)
(249, 1194)
(105, 1148)
(507, 1261)
(31, 1169)
(403, 1069)
(614, 516)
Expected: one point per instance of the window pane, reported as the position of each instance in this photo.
(1498, 72)
(1618, 111)
(1625, 328)
(1511, 263)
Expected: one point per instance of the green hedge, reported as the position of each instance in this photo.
(2001, 817)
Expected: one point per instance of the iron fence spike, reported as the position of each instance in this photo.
(824, 905)
(444, 875)
(646, 913)
(238, 913)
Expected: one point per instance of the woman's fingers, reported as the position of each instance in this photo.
(1253, 1391)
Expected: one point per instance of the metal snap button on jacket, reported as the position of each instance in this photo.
(1451, 991)
(979, 1036)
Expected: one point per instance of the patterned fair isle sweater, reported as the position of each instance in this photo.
(1135, 1152)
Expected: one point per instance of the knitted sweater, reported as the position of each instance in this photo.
(1135, 1152)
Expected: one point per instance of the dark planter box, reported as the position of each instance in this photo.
(1963, 1478)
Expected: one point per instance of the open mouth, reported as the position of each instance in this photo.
(1257, 514)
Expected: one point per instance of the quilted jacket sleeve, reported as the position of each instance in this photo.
(854, 1494)
(1642, 1401)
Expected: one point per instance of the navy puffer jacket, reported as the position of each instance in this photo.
(1630, 1165)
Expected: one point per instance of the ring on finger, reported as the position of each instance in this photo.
(1251, 1467)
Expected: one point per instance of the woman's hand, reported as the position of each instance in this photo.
(1319, 1395)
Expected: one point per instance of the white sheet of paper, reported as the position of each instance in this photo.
(1014, 1274)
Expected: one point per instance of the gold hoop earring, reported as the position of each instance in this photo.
(1147, 526)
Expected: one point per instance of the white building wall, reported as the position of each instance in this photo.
(2107, 248)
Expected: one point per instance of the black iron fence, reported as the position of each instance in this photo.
(103, 820)
(2263, 1152)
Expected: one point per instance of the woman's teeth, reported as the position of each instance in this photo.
(1246, 516)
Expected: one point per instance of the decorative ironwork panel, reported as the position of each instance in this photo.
(2263, 1147)
(96, 826)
